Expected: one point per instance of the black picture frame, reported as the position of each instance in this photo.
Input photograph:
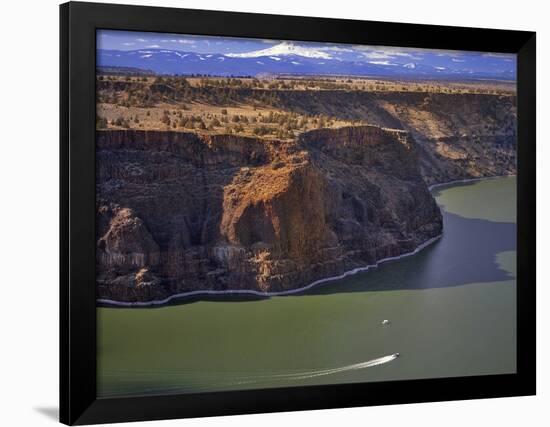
(78, 24)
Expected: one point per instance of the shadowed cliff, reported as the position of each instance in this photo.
(180, 211)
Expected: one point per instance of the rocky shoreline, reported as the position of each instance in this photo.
(465, 181)
(113, 303)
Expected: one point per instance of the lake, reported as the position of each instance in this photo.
(451, 311)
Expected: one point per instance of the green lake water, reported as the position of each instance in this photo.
(451, 307)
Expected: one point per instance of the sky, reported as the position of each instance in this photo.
(133, 40)
(254, 48)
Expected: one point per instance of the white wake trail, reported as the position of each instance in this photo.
(354, 367)
(319, 373)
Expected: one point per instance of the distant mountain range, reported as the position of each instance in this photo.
(291, 58)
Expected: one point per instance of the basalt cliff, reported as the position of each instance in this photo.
(458, 136)
(181, 211)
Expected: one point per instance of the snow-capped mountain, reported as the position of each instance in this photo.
(292, 58)
(283, 49)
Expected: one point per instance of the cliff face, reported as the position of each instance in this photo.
(458, 135)
(178, 211)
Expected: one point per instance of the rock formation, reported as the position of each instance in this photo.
(458, 135)
(181, 211)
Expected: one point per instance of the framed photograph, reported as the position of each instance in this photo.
(268, 213)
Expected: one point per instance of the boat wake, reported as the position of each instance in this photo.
(304, 375)
(187, 381)
(354, 367)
